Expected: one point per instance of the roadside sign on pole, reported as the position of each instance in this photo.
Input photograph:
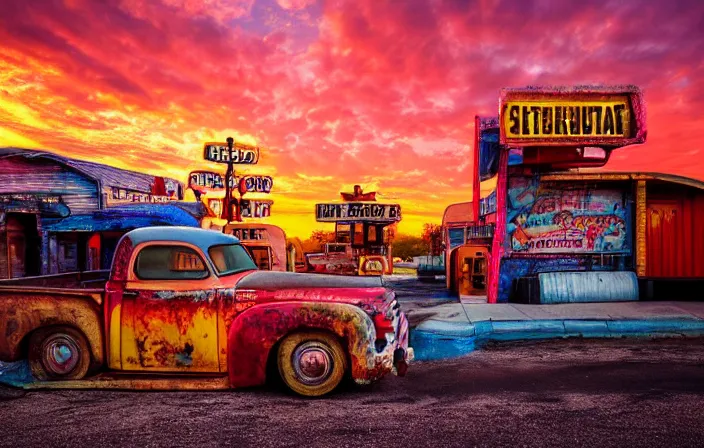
(241, 154)
(211, 181)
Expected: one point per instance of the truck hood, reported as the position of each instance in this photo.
(367, 293)
(274, 281)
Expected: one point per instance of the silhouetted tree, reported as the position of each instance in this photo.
(432, 237)
(408, 246)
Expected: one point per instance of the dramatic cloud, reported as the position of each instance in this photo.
(295, 4)
(376, 92)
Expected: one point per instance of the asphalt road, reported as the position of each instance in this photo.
(417, 298)
(608, 393)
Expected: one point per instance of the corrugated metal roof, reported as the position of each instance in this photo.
(108, 175)
(133, 216)
(597, 175)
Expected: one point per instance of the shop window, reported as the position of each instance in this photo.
(342, 233)
(372, 234)
(169, 263)
(67, 252)
(358, 235)
(456, 237)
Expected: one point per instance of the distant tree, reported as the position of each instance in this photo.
(322, 237)
(316, 241)
(432, 237)
(408, 246)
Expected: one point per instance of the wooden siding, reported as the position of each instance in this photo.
(21, 175)
(3, 252)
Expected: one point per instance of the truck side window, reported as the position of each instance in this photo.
(169, 263)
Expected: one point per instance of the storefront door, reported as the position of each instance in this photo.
(21, 248)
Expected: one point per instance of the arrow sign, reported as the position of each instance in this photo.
(206, 181)
(210, 181)
(256, 184)
(255, 208)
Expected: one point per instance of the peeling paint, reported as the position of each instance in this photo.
(207, 325)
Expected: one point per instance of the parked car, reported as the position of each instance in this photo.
(191, 302)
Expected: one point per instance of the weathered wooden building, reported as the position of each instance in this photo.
(39, 190)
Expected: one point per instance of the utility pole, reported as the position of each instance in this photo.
(228, 177)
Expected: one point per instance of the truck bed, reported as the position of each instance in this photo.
(73, 299)
(70, 280)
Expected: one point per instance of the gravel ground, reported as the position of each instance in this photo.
(573, 393)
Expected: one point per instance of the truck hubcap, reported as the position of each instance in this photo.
(60, 354)
(312, 362)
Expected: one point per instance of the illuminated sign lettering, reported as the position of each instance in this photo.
(122, 196)
(241, 154)
(357, 211)
(206, 180)
(210, 181)
(542, 119)
(257, 184)
(572, 117)
(255, 208)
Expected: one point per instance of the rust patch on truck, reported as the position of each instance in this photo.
(12, 326)
(255, 332)
(171, 331)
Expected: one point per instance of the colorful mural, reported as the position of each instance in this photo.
(559, 218)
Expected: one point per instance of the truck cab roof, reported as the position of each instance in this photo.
(200, 238)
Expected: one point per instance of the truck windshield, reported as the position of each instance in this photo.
(231, 259)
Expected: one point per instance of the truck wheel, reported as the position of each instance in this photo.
(311, 364)
(58, 353)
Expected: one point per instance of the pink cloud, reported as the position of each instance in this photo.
(356, 90)
(295, 4)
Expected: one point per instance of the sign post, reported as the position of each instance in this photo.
(228, 176)
(233, 153)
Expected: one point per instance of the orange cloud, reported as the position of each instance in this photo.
(370, 92)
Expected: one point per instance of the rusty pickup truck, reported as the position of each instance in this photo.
(183, 305)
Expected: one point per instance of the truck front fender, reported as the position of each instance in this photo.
(24, 312)
(256, 331)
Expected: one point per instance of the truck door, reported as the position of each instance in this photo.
(169, 315)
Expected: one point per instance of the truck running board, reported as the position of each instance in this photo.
(136, 382)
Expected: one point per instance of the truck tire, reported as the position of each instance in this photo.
(311, 364)
(58, 353)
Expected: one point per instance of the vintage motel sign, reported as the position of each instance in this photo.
(210, 181)
(583, 116)
(241, 154)
(357, 211)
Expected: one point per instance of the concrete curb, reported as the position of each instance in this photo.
(437, 340)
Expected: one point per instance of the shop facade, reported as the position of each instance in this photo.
(39, 190)
(559, 231)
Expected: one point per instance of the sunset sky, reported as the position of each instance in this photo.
(376, 92)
